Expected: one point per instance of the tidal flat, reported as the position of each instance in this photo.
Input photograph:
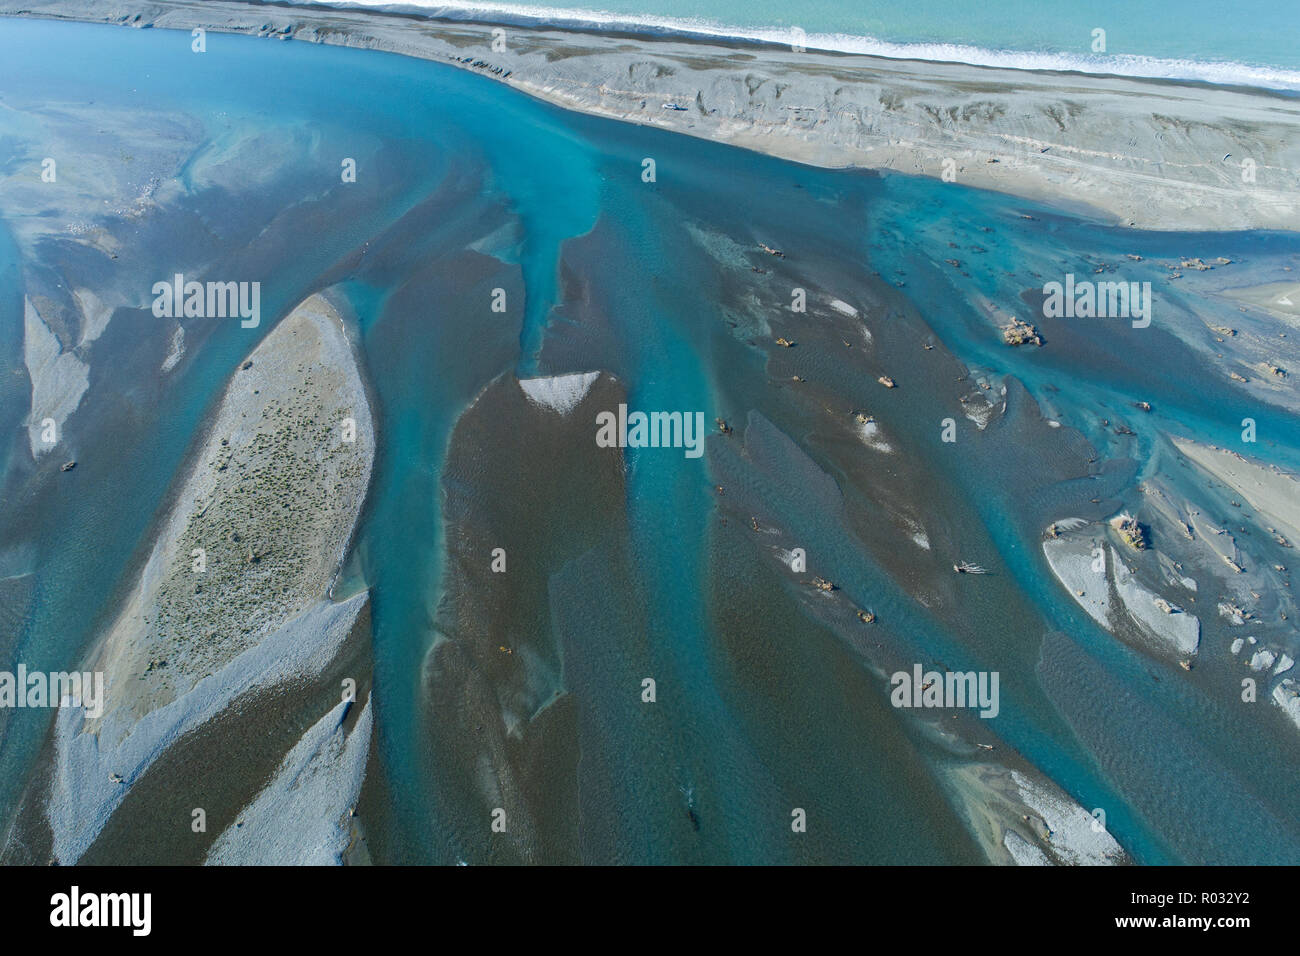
(482, 636)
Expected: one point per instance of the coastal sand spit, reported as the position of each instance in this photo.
(1152, 154)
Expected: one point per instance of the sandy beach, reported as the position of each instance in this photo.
(1151, 154)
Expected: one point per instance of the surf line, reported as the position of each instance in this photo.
(654, 430)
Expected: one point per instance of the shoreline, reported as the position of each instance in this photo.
(778, 37)
(1044, 136)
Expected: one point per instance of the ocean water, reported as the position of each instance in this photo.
(1252, 40)
(466, 187)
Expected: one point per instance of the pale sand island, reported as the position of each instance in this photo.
(236, 597)
(59, 380)
(1148, 595)
(1152, 154)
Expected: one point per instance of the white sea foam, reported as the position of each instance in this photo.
(1222, 72)
(561, 393)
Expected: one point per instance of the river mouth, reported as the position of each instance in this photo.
(880, 474)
